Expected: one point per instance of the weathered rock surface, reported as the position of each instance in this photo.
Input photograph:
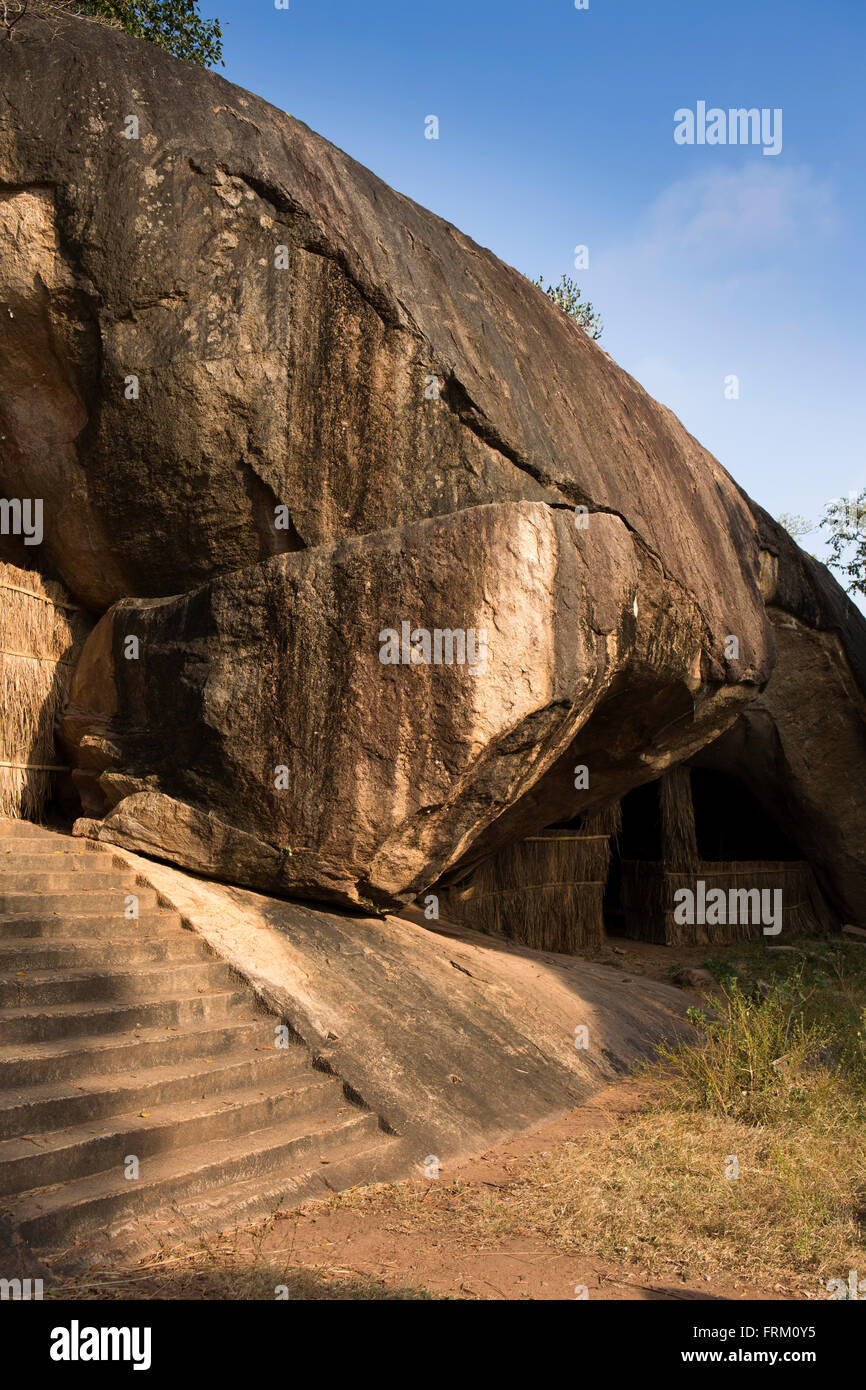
(289, 757)
(453, 1039)
(249, 379)
(303, 386)
(800, 747)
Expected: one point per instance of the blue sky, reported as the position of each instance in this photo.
(556, 130)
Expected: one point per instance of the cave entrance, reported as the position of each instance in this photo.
(621, 871)
(706, 833)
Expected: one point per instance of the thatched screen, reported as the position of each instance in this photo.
(648, 898)
(677, 811)
(41, 635)
(546, 891)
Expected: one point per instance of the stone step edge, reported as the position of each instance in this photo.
(164, 1117)
(177, 1165)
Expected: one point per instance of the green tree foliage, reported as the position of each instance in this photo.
(796, 525)
(567, 296)
(174, 25)
(844, 521)
(845, 524)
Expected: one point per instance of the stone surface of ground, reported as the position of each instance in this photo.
(455, 1038)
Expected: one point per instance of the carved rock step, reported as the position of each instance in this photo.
(49, 1215)
(30, 1065)
(77, 952)
(84, 1149)
(44, 1023)
(147, 982)
(109, 903)
(350, 1162)
(78, 924)
(123, 1036)
(243, 1058)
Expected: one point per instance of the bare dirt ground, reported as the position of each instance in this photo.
(388, 1245)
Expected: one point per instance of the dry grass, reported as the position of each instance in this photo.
(763, 1060)
(655, 1191)
(234, 1266)
(778, 1083)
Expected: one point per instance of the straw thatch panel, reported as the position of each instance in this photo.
(677, 812)
(41, 635)
(648, 899)
(546, 891)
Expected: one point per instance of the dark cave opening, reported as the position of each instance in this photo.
(731, 824)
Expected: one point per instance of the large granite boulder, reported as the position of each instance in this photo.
(249, 379)
(799, 746)
(302, 336)
(341, 723)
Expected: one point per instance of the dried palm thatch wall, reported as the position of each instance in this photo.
(678, 833)
(648, 888)
(41, 635)
(546, 891)
(648, 899)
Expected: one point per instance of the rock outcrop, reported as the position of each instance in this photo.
(800, 747)
(302, 336)
(274, 409)
(339, 723)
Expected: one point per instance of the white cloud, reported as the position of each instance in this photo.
(755, 209)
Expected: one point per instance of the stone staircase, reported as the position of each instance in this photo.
(127, 1038)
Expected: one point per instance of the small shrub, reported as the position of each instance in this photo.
(761, 1058)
